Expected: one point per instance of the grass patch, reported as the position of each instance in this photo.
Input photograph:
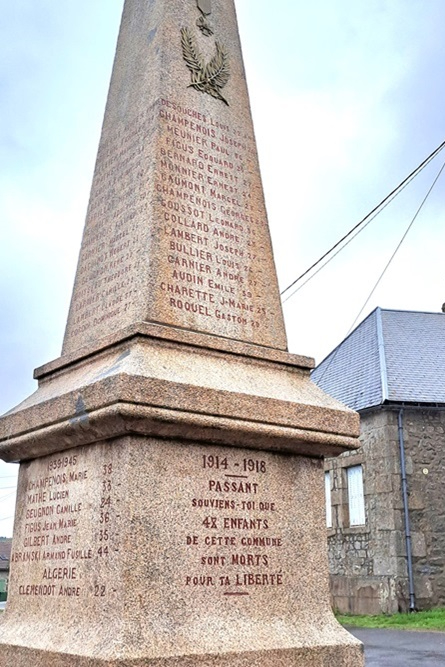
(421, 620)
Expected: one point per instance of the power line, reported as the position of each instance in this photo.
(359, 231)
(334, 355)
(367, 219)
(398, 246)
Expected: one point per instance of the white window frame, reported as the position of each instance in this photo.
(356, 496)
(327, 491)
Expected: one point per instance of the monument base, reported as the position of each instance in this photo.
(160, 381)
(140, 551)
(350, 655)
(171, 511)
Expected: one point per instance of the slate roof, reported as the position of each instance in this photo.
(5, 553)
(393, 356)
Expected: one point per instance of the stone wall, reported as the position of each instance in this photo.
(425, 447)
(368, 563)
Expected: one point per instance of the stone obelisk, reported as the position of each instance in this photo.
(170, 504)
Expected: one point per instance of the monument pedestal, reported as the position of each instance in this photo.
(172, 509)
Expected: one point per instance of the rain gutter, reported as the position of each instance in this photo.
(385, 397)
(409, 556)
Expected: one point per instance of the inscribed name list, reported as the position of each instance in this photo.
(176, 231)
(207, 522)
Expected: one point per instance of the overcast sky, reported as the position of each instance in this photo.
(347, 98)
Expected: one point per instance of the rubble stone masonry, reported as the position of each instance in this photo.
(368, 563)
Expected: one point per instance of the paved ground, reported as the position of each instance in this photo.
(399, 648)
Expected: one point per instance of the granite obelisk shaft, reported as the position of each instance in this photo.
(176, 231)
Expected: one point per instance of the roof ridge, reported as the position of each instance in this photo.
(411, 312)
(382, 356)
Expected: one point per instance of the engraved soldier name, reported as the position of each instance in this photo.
(213, 230)
(213, 237)
(67, 495)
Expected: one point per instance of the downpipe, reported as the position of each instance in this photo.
(412, 596)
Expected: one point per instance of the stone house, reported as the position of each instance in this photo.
(385, 508)
(5, 555)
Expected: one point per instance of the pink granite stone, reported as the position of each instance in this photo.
(170, 506)
(176, 231)
(140, 550)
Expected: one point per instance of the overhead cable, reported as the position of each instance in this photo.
(398, 246)
(360, 226)
(334, 354)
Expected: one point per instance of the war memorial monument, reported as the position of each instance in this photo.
(170, 507)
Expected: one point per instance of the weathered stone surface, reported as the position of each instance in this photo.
(170, 507)
(383, 567)
(142, 550)
(154, 388)
(349, 654)
(176, 231)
